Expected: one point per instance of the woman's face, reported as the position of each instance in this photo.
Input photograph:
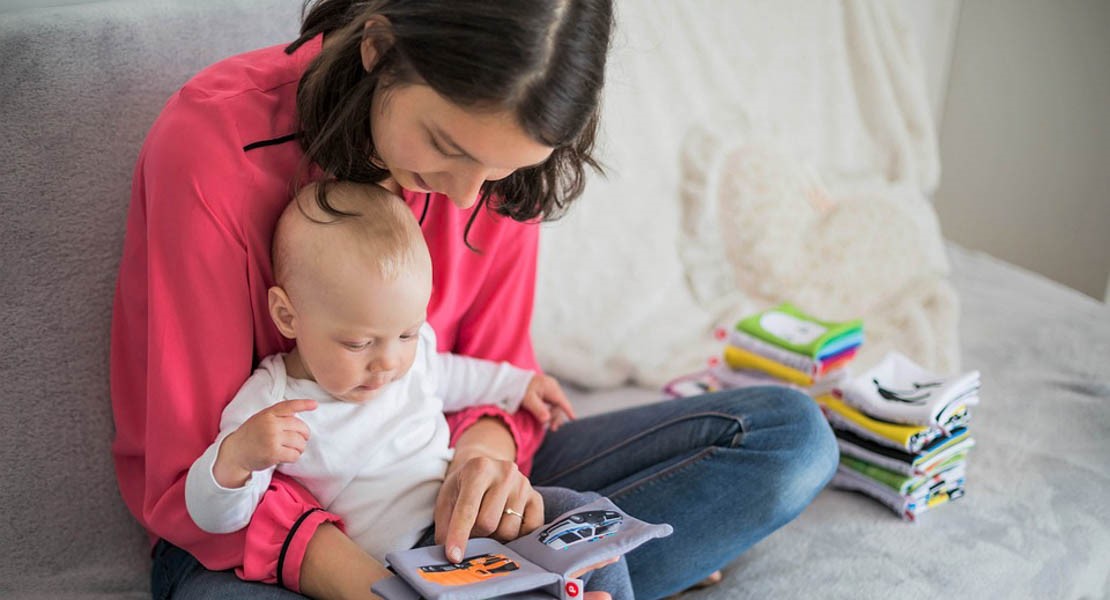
(432, 145)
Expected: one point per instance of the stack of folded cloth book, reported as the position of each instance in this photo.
(903, 435)
(778, 346)
(790, 345)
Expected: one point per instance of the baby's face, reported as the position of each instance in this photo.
(356, 339)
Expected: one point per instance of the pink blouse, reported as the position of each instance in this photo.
(190, 316)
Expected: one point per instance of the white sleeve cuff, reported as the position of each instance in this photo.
(218, 509)
(515, 384)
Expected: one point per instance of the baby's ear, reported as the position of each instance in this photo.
(282, 313)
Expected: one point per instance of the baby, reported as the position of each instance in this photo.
(355, 411)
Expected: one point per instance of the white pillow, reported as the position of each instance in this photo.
(760, 226)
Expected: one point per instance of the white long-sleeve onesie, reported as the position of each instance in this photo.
(378, 465)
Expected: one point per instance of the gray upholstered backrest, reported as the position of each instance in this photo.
(79, 88)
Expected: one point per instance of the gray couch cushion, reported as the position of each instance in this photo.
(79, 88)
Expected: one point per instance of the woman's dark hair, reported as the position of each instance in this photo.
(544, 60)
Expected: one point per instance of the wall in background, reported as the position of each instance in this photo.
(1025, 137)
(1020, 90)
(933, 24)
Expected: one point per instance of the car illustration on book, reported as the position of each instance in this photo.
(580, 527)
(472, 569)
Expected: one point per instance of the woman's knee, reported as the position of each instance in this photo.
(788, 426)
(808, 447)
(818, 442)
(794, 420)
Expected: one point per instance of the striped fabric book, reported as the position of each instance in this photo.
(785, 326)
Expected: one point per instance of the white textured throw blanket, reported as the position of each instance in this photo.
(757, 152)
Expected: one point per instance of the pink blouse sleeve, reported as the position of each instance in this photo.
(497, 326)
(183, 343)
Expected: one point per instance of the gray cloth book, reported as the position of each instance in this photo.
(536, 566)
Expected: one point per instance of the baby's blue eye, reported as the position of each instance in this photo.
(356, 345)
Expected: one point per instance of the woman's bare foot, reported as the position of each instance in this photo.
(714, 578)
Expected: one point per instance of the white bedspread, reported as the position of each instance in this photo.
(1035, 522)
(684, 234)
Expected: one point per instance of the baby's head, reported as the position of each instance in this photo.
(352, 290)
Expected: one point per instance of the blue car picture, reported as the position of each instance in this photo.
(585, 526)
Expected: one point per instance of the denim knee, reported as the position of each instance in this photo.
(809, 449)
(796, 446)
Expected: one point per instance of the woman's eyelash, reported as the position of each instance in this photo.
(438, 148)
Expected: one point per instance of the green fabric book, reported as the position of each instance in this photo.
(901, 483)
(788, 327)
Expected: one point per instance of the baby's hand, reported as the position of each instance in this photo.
(271, 436)
(546, 401)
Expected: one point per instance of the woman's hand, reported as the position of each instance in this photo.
(485, 497)
(595, 595)
(484, 493)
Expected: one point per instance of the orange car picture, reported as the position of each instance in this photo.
(471, 570)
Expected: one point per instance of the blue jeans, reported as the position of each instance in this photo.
(176, 574)
(724, 469)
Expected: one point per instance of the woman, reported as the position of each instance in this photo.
(482, 115)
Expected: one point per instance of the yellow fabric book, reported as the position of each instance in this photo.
(909, 437)
(739, 358)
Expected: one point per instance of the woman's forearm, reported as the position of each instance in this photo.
(489, 437)
(334, 567)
